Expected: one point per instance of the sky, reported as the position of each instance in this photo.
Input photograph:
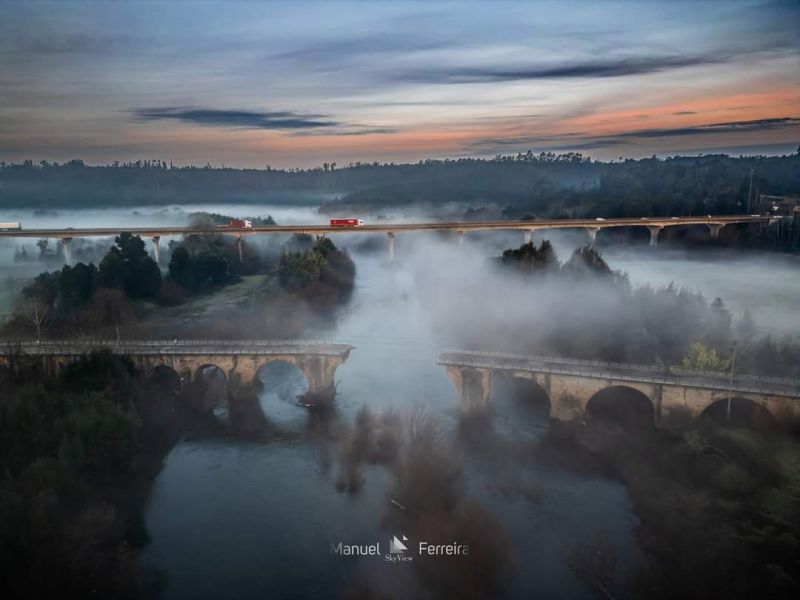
(297, 84)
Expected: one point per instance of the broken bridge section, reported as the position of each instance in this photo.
(239, 360)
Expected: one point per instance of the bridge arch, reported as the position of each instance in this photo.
(210, 388)
(281, 375)
(522, 394)
(207, 371)
(165, 376)
(623, 404)
(744, 412)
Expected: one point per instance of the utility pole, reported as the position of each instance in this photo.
(750, 191)
(730, 382)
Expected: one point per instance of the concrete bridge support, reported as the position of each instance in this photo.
(65, 242)
(714, 228)
(391, 245)
(654, 231)
(156, 249)
(528, 235)
(239, 243)
(461, 235)
(592, 231)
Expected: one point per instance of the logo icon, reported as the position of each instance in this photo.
(396, 546)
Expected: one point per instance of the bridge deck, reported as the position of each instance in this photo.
(619, 372)
(71, 232)
(179, 347)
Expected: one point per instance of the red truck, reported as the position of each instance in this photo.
(241, 223)
(347, 223)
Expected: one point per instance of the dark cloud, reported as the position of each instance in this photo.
(345, 132)
(337, 50)
(547, 144)
(584, 141)
(604, 68)
(733, 126)
(247, 119)
(576, 70)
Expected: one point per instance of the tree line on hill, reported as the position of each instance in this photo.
(544, 184)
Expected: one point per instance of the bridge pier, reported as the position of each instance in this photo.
(156, 249)
(391, 245)
(654, 231)
(461, 235)
(320, 372)
(239, 243)
(528, 235)
(473, 387)
(714, 228)
(65, 242)
(592, 231)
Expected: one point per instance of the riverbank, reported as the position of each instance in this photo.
(79, 453)
(719, 508)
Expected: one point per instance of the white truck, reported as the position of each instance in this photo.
(10, 226)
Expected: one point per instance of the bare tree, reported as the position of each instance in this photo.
(36, 311)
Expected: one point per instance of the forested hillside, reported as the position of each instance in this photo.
(540, 185)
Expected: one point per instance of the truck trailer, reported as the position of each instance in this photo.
(241, 223)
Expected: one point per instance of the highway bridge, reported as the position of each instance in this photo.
(591, 226)
(239, 360)
(571, 386)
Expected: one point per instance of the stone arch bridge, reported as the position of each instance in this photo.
(570, 386)
(239, 360)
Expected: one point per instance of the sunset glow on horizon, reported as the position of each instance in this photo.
(298, 84)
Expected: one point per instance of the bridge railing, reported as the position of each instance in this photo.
(624, 366)
(161, 342)
(75, 347)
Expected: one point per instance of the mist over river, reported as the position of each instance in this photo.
(228, 517)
